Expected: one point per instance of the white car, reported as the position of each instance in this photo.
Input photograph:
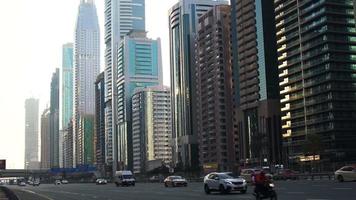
(64, 181)
(347, 173)
(101, 181)
(224, 183)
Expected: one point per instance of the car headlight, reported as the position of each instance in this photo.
(271, 185)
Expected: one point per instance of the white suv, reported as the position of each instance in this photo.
(224, 183)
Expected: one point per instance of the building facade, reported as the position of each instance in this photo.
(86, 69)
(45, 140)
(101, 139)
(31, 134)
(67, 84)
(68, 146)
(183, 21)
(54, 120)
(121, 17)
(316, 42)
(139, 65)
(258, 108)
(215, 116)
(151, 128)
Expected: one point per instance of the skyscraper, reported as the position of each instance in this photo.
(139, 65)
(317, 78)
(258, 108)
(121, 17)
(151, 128)
(45, 139)
(67, 84)
(215, 116)
(67, 98)
(86, 69)
(183, 21)
(31, 134)
(54, 120)
(100, 138)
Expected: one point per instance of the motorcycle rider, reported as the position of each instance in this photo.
(260, 180)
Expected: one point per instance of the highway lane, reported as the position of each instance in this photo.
(288, 190)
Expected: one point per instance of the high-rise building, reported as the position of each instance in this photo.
(317, 78)
(121, 16)
(258, 108)
(86, 69)
(54, 120)
(31, 134)
(67, 99)
(100, 138)
(139, 65)
(215, 116)
(45, 140)
(68, 146)
(183, 21)
(67, 84)
(151, 128)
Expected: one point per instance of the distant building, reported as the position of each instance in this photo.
(151, 127)
(217, 136)
(121, 17)
(45, 140)
(68, 146)
(67, 96)
(31, 133)
(54, 120)
(86, 69)
(317, 78)
(101, 139)
(183, 26)
(139, 65)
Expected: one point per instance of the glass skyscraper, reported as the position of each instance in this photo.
(121, 16)
(67, 84)
(183, 21)
(54, 120)
(31, 133)
(139, 65)
(86, 69)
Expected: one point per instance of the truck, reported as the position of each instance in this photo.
(124, 178)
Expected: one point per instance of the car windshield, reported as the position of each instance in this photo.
(176, 177)
(127, 176)
(225, 176)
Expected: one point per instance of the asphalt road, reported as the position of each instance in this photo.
(287, 190)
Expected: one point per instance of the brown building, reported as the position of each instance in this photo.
(256, 83)
(216, 136)
(45, 140)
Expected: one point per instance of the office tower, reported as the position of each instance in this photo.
(100, 138)
(45, 139)
(31, 134)
(86, 69)
(67, 84)
(54, 120)
(258, 109)
(121, 16)
(215, 116)
(151, 128)
(183, 21)
(139, 65)
(317, 74)
(67, 102)
(68, 146)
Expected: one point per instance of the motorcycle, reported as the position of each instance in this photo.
(269, 193)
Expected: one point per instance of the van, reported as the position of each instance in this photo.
(124, 178)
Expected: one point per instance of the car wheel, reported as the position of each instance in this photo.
(207, 189)
(243, 191)
(117, 184)
(222, 189)
(340, 178)
(165, 185)
(185, 185)
(274, 196)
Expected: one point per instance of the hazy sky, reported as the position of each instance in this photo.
(31, 36)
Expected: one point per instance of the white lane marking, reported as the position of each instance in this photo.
(295, 192)
(41, 195)
(342, 188)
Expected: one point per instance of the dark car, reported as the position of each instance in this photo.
(286, 174)
(175, 181)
